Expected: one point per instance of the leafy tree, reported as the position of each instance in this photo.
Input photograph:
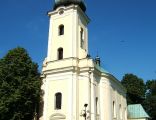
(150, 101)
(135, 88)
(19, 86)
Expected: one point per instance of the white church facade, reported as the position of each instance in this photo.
(75, 86)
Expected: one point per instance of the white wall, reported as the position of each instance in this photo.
(73, 20)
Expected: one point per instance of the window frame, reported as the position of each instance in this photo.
(60, 53)
(58, 102)
(120, 112)
(82, 41)
(96, 104)
(114, 110)
(61, 30)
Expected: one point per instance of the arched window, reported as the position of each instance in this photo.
(58, 100)
(60, 53)
(61, 30)
(114, 110)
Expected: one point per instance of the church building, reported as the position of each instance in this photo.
(75, 86)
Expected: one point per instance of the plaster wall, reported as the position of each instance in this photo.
(111, 92)
(82, 86)
(119, 97)
(53, 85)
(73, 21)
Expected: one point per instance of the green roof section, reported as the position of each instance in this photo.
(136, 111)
(100, 68)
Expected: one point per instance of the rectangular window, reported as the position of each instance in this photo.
(60, 53)
(114, 110)
(96, 100)
(61, 30)
(82, 38)
(58, 100)
(120, 110)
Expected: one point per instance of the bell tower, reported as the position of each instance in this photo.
(67, 52)
(68, 33)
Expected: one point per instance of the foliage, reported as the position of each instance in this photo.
(138, 92)
(150, 101)
(19, 86)
(135, 88)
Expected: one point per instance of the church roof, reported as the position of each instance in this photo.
(59, 3)
(100, 68)
(136, 111)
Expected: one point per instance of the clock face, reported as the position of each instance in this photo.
(61, 11)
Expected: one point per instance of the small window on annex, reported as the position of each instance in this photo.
(120, 110)
(125, 114)
(60, 53)
(61, 30)
(114, 110)
(96, 103)
(82, 38)
(58, 100)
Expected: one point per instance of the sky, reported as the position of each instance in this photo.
(121, 32)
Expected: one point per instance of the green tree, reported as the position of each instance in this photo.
(135, 88)
(19, 86)
(150, 101)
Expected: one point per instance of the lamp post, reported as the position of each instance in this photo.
(85, 111)
(89, 92)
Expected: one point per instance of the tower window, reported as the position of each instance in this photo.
(58, 100)
(82, 38)
(61, 30)
(60, 53)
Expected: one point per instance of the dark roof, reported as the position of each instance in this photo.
(59, 3)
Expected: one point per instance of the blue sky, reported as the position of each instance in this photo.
(122, 32)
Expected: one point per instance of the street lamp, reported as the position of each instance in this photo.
(85, 111)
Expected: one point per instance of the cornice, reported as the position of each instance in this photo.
(114, 79)
(74, 7)
(60, 70)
